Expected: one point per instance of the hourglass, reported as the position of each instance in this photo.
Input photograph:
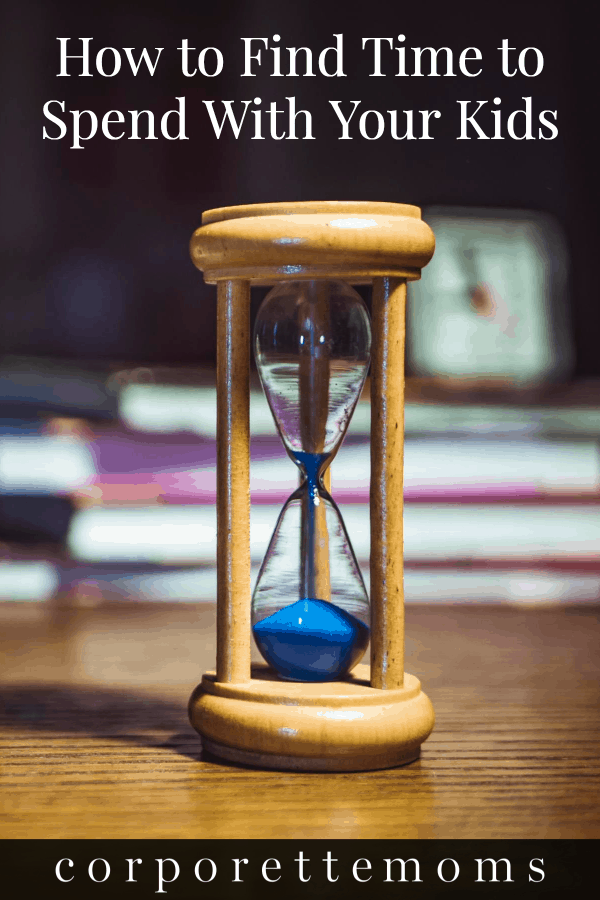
(311, 705)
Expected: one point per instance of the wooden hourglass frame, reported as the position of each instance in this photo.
(374, 718)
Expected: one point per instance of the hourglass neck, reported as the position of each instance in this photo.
(312, 466)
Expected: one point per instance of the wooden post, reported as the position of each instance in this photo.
(233, 481)
(387, 450)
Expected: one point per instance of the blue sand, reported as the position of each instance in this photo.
(311, 640)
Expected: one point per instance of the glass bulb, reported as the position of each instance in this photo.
(310, 611)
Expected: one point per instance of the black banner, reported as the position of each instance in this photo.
(243, 869)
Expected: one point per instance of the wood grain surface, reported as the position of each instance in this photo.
(95, 742)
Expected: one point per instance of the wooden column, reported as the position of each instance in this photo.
(233, 481)
(387, 452)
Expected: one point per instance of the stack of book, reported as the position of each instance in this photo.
(502, 503)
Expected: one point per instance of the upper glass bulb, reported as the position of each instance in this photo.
(312, 348)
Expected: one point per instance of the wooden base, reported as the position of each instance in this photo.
(339, 726)
(309, 763)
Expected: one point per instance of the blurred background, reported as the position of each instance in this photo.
(107, 332)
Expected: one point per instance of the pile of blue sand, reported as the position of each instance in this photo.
(311, 640)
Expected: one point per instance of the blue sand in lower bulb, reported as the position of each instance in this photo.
(311, 640)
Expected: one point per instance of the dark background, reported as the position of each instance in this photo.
(95, 263)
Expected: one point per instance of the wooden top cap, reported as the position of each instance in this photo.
(355, 241)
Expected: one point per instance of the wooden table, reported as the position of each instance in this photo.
(94, 738)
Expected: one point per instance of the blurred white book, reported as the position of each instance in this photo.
(448, 532)
(39, 580)
(44, 464)
(179, 409)
(440, 585)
